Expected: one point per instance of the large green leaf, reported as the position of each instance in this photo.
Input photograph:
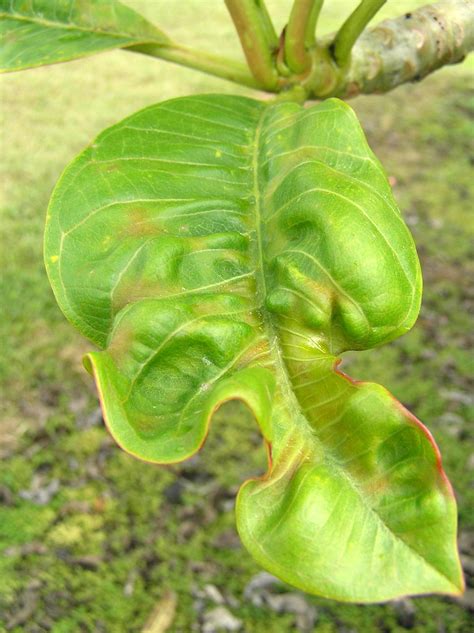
(38, 32)
(217, 248)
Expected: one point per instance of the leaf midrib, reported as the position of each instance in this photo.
(283, 378)
(72, 26)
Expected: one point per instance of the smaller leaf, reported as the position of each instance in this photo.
(39, 32)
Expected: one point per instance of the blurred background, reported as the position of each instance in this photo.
(94, 540)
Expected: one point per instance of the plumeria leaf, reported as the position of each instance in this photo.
(218, 248)
(38, 32)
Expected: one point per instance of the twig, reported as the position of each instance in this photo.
(395, 52)
(162, 615)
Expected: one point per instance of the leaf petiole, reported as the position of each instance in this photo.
(352, 28)
(205, 62)
(252, 23)
(300, 33)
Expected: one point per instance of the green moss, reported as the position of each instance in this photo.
(17, 474)
(23, 524)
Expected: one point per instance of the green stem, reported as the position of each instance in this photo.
(253, 30)
(267, 24)
(352, 28)
(295, 94)
(205, 62)
(300, 34)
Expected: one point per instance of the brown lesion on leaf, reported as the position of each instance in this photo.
(110, 168)
(121, 342)
(11, 38)
(140, 223)
(132, 291)
(258, 353)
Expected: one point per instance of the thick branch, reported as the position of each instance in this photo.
(407, 49)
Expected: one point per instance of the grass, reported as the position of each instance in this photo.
(118, 533)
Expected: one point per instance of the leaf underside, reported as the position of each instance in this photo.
(38, 32)
(218, 248)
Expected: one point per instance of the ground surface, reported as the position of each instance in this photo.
(94, 539)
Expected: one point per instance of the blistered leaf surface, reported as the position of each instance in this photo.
(217, 248)
(38, 32)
